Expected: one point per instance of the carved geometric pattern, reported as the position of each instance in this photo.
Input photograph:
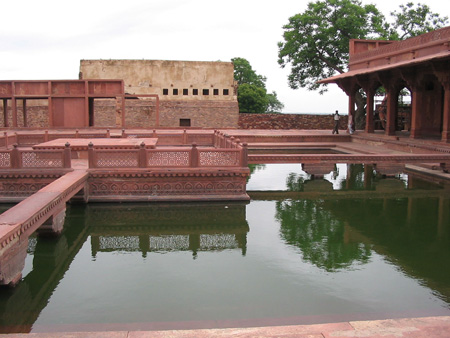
(169, 243)
(20, 189)
(218, 242)
(5, 160)
(42, 160)
(119, 243)
(143, 187)
(168, 158)
(117, 159)
(219, 158)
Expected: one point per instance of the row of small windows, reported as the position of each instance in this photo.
(195, 91)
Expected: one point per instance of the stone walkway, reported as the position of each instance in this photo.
(429, 327)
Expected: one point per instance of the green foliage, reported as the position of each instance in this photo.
(414, 20)
(274, 106)
(252, 99)
(316, 42)
(244, 73)
(252, 93)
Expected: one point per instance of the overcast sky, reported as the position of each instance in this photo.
(42, 39)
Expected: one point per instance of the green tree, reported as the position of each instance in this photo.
(252, 93)
(244, 73)
(252, 99)
(316, 42)
(274, 106)
(413, 20)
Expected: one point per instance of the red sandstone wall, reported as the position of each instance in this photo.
(142, 113)
(289, 121)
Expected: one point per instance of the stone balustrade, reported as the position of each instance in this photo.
(35, 159)
(232, 156)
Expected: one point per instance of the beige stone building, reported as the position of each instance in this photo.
(190, 93)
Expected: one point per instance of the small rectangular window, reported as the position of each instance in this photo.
(185, 91)
(216, 91)
(205, 91)
(185, 122)
(165, 91)
(194, 91)
(175, 91)
(226, 92)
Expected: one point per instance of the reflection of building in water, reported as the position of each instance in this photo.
(144, 228)
(21, 306)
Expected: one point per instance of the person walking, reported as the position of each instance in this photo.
(336, 122)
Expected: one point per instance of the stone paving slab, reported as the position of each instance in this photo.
(428, 327)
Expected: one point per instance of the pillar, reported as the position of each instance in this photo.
(12, 261)
(446, 120)
(14, 111)
(416, 115)
(351, 108)
(5, 113)
(54, 225)
(369, 110)
(24, 107)
(391, 111)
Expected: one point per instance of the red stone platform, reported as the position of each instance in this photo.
(428, 327)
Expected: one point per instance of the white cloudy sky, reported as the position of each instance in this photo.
(44, 39)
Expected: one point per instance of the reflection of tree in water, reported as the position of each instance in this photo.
(321, 237)
(255, 167)
(295, 182)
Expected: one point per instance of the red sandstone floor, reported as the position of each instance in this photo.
(429, 327)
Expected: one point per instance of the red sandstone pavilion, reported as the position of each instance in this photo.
(110, 136)
(421, 64)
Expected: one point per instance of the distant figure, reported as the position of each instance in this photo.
(336, 122)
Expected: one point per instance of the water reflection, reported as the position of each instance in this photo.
(51, 257)
(118, 228)
(351, 241)
(167, 228)
(322, 238)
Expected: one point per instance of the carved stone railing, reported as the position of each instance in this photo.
(173, 157)
(35, 159)
(438, 37)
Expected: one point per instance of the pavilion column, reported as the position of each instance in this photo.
(369, 85)
(14, 112)
(415, 81)
(5, 113)
(369, 110)
(350, 87)
(14, 105)
(391, 111)
(24, 107)
(444, 79)
(417, 104)
(446, 120)
(351, 108)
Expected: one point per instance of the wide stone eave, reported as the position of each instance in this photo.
(366, 71)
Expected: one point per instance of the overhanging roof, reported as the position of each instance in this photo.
(365, 71)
